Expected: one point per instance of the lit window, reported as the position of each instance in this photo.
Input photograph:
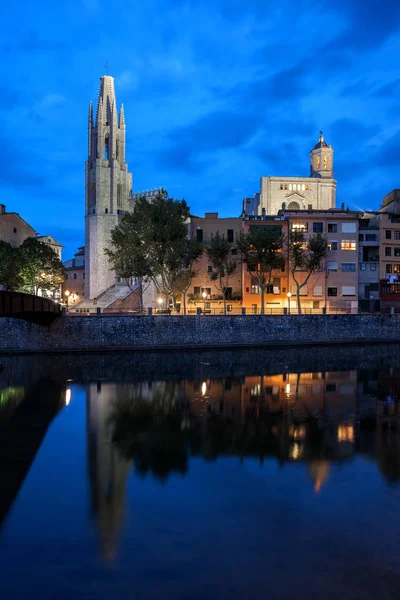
(397, 235)
(255, 289)
(363, 267)
(348, 245)
(396, 268)
(332, 245)
(303, 227)
(290, 186)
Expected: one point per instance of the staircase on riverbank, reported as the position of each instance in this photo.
(118, 296)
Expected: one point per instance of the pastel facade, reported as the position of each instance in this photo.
(202, 229)
(334, 286)
(75, 277)
(13, 229)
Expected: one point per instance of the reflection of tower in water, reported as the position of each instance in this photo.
(107, 469)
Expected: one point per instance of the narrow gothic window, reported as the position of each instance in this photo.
(119, 198)
(117, 149)
(106, 148)
(95, 153)
(93, 194)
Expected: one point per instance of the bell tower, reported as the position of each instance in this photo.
(108, 186)
(321, 159)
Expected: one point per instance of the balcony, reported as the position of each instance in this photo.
(389, 291)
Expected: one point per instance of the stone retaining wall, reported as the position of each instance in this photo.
(104, 332)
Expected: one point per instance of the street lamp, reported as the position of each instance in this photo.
(160, 301)
(204, 294)
(289, 295)
(67, 293)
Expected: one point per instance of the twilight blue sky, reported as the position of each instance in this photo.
(217, 93)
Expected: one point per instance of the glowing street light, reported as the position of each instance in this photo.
(289, 295)
(204, 294)
(67, 293)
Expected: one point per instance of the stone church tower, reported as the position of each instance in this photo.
(321, 159)
(108, 186)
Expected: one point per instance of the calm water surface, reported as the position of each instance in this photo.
(212, 475)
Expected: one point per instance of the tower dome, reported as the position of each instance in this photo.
(321, 159)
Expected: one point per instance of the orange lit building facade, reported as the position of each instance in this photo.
(334, 287)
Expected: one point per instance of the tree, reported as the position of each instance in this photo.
(40, 267)
(220, 255)
(152, 243)
(261, 251)
(185, 269)
(10, 267)
(128, 257)
(305, 256)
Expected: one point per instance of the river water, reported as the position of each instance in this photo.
(243, 474)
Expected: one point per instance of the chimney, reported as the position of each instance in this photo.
(263, 213)
(342, 207)
(2, 209)
(283, 205)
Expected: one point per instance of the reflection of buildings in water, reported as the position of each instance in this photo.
(388, 434)
(106, 468)
(319, 473)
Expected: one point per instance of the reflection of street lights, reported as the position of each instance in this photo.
(204, 294)
(289, 295)
(67, 293)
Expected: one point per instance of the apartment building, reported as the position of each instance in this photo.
(389, 251)
(335, 286)
(275, 295)
(13, 229)
(202, 229)
(368, 257)
(75, 277)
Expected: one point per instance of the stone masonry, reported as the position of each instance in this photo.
(177, 332)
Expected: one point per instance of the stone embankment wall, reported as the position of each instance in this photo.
(104, 332)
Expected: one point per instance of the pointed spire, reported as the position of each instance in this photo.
(114, 115)
(122, 117)
(90, 117)
(107, 97)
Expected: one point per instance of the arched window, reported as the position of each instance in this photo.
(117, 149)
(106, 148)
(119, 196)
(93, 194)
(294, 206)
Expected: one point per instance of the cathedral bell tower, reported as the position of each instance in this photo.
(108, 186)
(321, 160)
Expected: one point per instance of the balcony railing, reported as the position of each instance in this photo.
(388, 288)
